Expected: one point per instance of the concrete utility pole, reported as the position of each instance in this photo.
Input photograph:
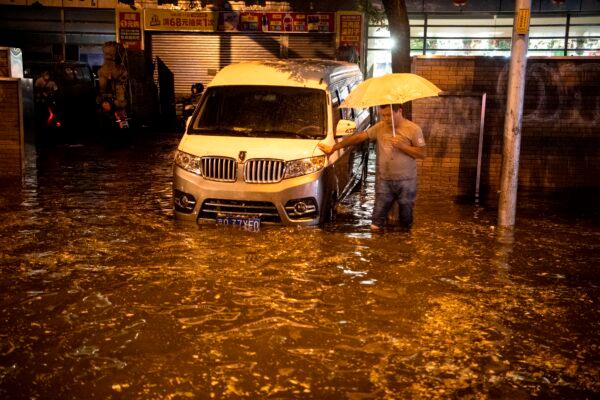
(512, 118)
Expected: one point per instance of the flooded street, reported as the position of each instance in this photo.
(103, 294)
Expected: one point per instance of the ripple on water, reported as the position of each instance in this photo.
(103, 294)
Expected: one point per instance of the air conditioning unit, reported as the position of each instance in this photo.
(11, 62)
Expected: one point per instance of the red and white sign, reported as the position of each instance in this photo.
(295, 22)
(130, 32)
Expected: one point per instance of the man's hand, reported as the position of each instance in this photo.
(412, 151)
(325, 148)
(397, 142)
(347, 141)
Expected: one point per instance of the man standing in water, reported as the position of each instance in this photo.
(396, 173)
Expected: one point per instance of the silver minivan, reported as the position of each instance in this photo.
(249, 154)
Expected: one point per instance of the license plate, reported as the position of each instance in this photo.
(247, 223)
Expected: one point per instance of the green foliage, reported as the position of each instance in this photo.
(375, 15)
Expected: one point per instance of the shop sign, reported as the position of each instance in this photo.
(522, 25)
(129, 29)
(276, 22)
(169, 20)
(253, 22)
(80, 3)
(350, 29)
(298, 22)
(234, 21)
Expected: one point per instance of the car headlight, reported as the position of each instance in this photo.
(188, 162)
(304, 166)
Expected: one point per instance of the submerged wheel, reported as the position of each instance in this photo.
(328, 209)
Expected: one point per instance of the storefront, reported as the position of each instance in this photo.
(193, 46)
(46, 33)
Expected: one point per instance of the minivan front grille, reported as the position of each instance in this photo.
(219, 168)
(266, 211)
(263, 171)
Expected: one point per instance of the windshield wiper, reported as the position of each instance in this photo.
(288, 134)
(309, 135)
(249, 132)
(216, 130)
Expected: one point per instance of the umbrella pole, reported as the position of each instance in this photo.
(393, 123)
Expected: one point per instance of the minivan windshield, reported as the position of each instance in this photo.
(261, 111)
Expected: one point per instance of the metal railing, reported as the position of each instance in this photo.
(562, 42)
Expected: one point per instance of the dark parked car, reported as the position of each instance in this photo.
(71, 94)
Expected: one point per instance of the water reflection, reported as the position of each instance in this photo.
(103, 294)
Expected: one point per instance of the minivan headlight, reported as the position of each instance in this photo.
(188, 162)
(303, 166)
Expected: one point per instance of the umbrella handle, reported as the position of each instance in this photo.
(393, 124)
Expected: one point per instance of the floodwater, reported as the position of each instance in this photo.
(104, 295)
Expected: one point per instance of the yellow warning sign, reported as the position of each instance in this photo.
(522, 26)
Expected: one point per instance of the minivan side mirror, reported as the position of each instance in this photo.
(345, 127)
(187, 122)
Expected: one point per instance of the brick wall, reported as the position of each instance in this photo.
(4, 62)
(560, 128)
(451, 128)
(11, 136)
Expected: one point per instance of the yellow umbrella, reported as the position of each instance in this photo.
(390, 89)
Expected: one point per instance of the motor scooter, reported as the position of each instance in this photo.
(49, 125)
(53, 120)
(113, 124)
(121, 119)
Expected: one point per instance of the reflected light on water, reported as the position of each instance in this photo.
(104, 294)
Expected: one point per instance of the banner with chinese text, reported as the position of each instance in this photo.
(129, 29)
(80, 3)
(168, 20)
(238, 21)
(350, 30)
(298, 22)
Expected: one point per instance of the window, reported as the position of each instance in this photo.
(345, 113)
(355, 111)
(584, 36)
(486, 35)
(262, 111)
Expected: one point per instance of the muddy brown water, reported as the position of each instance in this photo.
(104, 295)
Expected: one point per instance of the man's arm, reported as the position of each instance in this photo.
(414, 136)
(413, 151)
(347, 141)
